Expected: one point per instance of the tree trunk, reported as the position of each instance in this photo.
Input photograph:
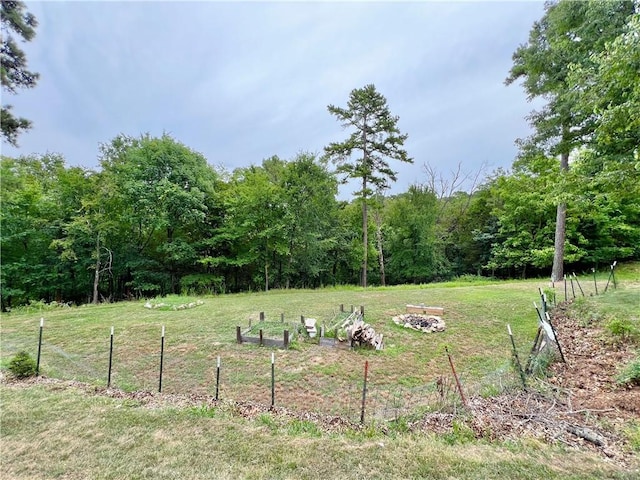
(266, 267)
(557, 271)
(365, 233)
(96, 275)
(365, 220)
(290, 262)
(378, 218)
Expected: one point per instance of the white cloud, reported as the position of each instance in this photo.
(243, 81)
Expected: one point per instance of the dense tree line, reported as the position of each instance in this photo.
(565, 40)
(157, 218)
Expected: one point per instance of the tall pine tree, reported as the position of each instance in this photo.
(374, 133)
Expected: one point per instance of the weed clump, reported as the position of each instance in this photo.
(22, 365)
(630, 374)
(623, 329)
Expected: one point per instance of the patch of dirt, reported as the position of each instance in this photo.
(592, 362)
(155, 400)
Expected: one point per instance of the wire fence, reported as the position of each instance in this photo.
(248, 375)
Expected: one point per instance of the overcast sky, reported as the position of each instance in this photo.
(240, 81)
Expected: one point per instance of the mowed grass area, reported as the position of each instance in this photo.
(76, 342)
(48, 431)
(309, 377)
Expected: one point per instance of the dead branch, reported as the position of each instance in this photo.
(587, 434)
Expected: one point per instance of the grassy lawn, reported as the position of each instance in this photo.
(50, 432)
(76, 343)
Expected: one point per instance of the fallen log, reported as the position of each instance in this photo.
(587, 434)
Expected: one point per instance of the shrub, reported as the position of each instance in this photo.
(22, 365)
(623, 329)
(630, 374)
(632, 432)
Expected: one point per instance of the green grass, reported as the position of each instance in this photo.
(76, 341)
(48, 432)
(51, 433)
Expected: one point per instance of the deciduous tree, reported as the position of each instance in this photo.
(568, 35)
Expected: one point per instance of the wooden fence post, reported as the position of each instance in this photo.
(455, 375)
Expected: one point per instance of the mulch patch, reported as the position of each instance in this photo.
(593, 360)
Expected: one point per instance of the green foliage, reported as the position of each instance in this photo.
(22, 365)
(376, 135)
(567, 38)
(461, 433)
(203, 411)
(303, 427)
(412, 255)
(623, 329)
(632, 432)
(280, 225)
(608, 91)
(525, 215)
(15, 20)
(399, 425)
(564, 39)
(38, 195)
(630, 373)
(202, 284)
(267, 420)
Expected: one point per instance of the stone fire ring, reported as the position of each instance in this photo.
(420, 322)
